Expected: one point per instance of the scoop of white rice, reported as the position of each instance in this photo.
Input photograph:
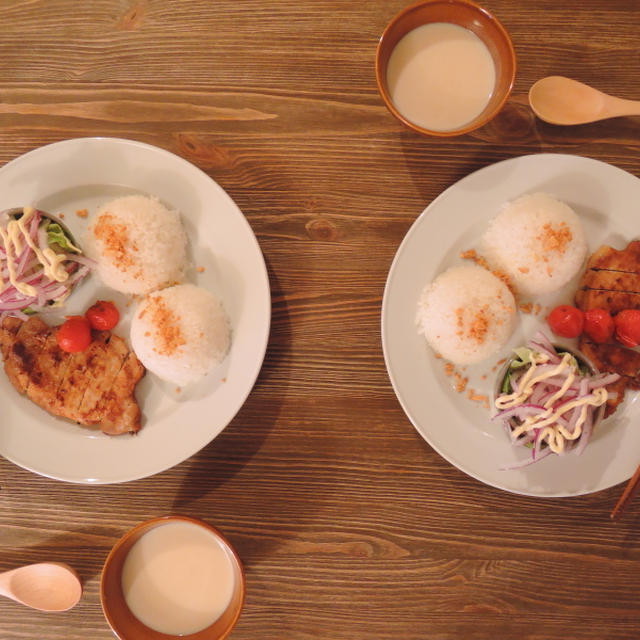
(138, 244)
(180, 333)
(466, 314)
(537, 241)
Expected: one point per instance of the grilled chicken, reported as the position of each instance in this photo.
(611, 281)
(93, 387)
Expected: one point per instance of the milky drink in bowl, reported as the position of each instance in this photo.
(172, 576)
(444, 67)
(441, 76)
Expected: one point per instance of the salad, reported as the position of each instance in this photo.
(549, 399)
(39, 263)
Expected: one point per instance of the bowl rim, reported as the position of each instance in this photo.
(141, 528)
(475, 123)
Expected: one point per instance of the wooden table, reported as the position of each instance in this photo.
(349, 525)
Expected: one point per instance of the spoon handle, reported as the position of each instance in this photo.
(5, 581)
(624, 107)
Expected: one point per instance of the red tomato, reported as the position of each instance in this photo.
(103, 315)
(566, 321)
(74, 334)
(598, 325)
(627, 325)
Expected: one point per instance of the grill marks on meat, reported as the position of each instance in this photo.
(611, 281)
(20, 361)
(118, 405)
(107, 358)
(93, 387)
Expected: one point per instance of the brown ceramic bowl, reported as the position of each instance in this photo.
(466, 14)
(125, 625)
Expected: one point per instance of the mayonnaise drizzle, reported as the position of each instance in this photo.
(12, 238)
(553, 433)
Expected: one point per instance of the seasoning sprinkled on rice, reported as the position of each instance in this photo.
(537, 241)
(466, 314)
(169, 337)
(138, 244)
(180, 333)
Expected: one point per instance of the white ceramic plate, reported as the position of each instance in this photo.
(459, 429)
(83, 173)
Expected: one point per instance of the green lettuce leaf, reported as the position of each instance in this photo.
(523, 358)
(56, 235)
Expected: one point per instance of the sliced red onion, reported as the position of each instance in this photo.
(516, 376)
(542, 344)
(544, 368)
(19, 315)
(81, 259)
(539, 395)
(527, 461)
(521, 411)
(29, 271)
(603, 380)
(540, 338)
(537, 445)
(541, 392)
(35, 223)
(17, 305)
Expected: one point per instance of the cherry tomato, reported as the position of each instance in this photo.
(74, 334)
(103, 315)
(598, 325)
(566, 321)
(627, 325)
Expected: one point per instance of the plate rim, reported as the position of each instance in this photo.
(384, 319)
(265, 311)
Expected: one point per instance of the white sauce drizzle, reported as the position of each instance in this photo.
(12, 239)
(552, 432)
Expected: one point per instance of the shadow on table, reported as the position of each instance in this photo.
(513, 132)
(202, 493)
(75, 548)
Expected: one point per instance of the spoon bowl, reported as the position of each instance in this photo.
(563, 101)
(46, 586)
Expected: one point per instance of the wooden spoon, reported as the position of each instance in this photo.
(560, 100)
(628, 493)
(47, 586)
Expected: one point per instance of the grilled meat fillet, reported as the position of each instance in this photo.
(93, 387)
(611, 281)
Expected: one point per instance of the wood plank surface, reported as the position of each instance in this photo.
(349, 525)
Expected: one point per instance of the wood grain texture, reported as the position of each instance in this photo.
(349, 525)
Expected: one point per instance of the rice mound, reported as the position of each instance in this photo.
(180, 333)
(537, 242)
(466, 314)
(138, 244)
